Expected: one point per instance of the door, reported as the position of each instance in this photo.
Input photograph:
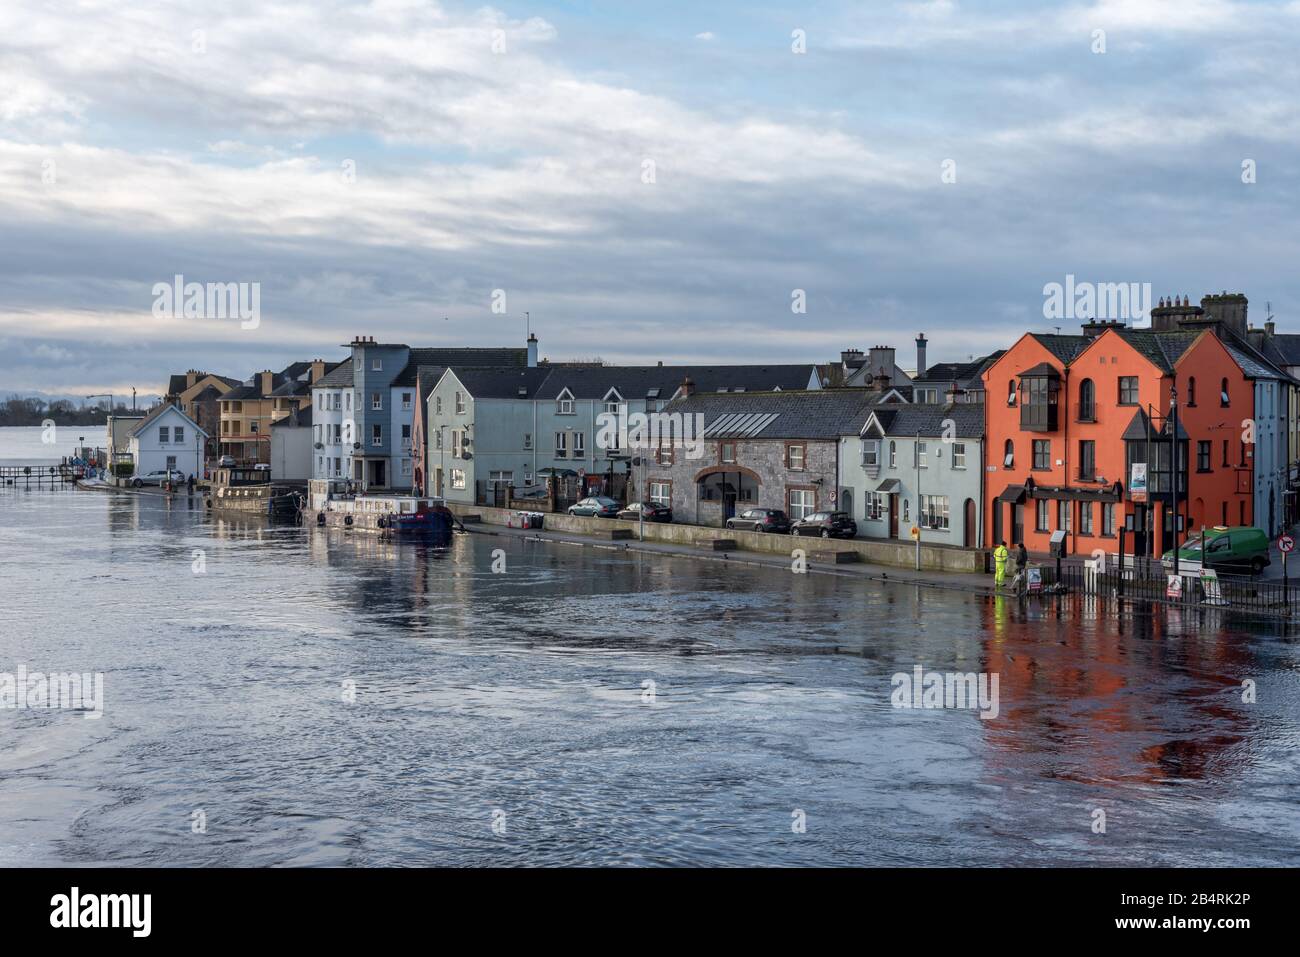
(1018, 524)
(893, 515)
(377, 476)
(1137, 524)
(437, 481)
(997, 523)
(968, 533)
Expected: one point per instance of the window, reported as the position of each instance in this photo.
(893, 455)
(1241, 513)
(457, 443)
(959, 455)
(921, 449)
(164, 434)
(661, 493)
(406, 436)
(376, 401)
(460, 403)
(171, 463)
(252, 427)
(579, 439)
(1040, 515)
(338, 399)
(1108, 518)
(926, 396)
(875, 509)
(1243, 454)
(1063, 515)
(1011, 392)
(457, 478)
(406, 466)
(1009, 454)
(498, 477)
(564, 404)
(376, 434)
(437, 405)
(1226, 463)
(1085, 518)
(934, 512)
(528, 441)
(907, 510)
(1191, 392)
(802, 502)
(1038, 394)
(347, 399)
(178, 433)
(315, 431)
(338, 466)
(1087, 401)
(320, 401)
(561, 445)
(1202, 456)
(794, 457)
(871, 453)
(728, 453)
(1042, 454)
(376, 365)
(1087, 460)
(1223, 394)
(406, 401)
(1128, 390)
(437, 438)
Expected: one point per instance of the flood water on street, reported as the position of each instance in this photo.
(522, 699)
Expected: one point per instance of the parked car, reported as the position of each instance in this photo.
(598, 506)
(654, 512)
(1238, 548)
(760, 520)
(157, 477)
(226, 462)
(826, 524)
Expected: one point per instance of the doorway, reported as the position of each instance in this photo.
(893, 515)
(968, 532)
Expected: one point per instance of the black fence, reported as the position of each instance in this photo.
(1146, 579)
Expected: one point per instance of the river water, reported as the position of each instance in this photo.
(518, 699)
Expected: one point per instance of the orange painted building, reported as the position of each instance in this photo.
(1077, 423)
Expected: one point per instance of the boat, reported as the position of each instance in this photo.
(399, 515)
(251, 490)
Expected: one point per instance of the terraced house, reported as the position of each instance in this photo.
(248, 409)
(767, 450)
(1082, 439)
(916, 466)
(364, 412)
(491, 428)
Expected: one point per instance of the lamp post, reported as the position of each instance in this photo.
(1173, 469)
(919, 523)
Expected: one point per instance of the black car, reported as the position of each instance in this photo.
(654, 512)
(760, 520)
(826, 524)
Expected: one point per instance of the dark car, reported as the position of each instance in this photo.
(595, 505)
(760, 520)
(653, 512)
(826, 524)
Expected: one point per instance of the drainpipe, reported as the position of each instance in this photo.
(1069, 503)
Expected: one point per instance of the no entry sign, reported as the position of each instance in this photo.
(1285, 544)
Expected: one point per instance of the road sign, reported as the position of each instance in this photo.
(1285, 544)
(916, 533)
(834, 496)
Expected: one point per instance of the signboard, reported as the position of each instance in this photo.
(1174, 589)
(1137, 483)
(1034, 579)
(1210, 582)
(1285, 544)
(916, 533)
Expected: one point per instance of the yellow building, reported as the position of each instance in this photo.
(248, 410)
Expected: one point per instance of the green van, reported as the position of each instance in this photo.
(1231, 549)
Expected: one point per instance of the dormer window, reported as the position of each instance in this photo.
(376, 365)
(564, 403)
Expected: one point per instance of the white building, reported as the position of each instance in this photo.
(292, 443)
(167, 438)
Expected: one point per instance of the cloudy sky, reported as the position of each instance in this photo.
(649, 181)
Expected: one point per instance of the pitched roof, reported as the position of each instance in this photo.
(467, 356)
(1064, 347)
(340, 377)
(1141, 429)
(501, 382)
(790, 414)
(156, 412)
(931, 419)
(948, 372)
(630, 382)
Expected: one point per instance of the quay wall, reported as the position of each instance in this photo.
(873, 551)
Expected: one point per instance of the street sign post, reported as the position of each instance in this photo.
(1285, 545)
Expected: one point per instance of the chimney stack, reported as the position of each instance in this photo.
(268, 382)
(532, 351)
(920, 356)
(1228, 309)
(688, 386)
